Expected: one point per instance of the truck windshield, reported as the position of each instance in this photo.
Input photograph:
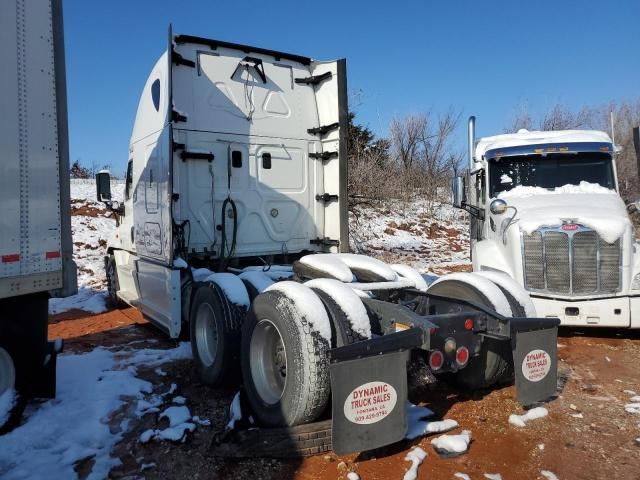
(550, 171)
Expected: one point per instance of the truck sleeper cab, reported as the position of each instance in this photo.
(234, 231)
(564, 233)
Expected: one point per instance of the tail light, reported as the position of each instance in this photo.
(462, 356)
(468, 324)
(436, 360)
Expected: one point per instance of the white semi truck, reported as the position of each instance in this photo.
(35, 225)
(233, 232)
(545, 211)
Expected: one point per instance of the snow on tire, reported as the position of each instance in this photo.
(285, 361)
(521, 303)
(348, 315)
(11, 405)
(494, 363)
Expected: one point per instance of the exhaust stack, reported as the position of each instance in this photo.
(472, 139)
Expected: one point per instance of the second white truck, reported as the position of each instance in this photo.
(545, 210)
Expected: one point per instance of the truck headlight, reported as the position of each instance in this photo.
(635, 285)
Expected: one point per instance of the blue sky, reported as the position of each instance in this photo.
(479, 57)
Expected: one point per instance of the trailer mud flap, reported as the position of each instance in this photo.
(535, 363)
(369, 401)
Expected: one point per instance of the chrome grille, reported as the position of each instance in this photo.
(575, 262)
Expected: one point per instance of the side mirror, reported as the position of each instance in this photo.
(498, 206)
(103, 186)
(458, 196)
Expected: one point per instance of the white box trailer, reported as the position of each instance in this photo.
(234, 231)
(35, 230)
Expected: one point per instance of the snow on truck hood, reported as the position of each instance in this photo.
(588, 204)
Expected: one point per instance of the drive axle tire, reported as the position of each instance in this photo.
(494, 364)
(285, 362)
(214, 336)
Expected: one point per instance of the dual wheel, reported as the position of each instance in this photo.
(281, 347)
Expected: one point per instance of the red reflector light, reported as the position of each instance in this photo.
(10, 258)
(468, 324)
(462, 356)
(436, 359)
(55, 254)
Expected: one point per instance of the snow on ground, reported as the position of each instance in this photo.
(435, 241)
(7, 401)
(92, 225)
(533, 414)
(416, 457)
(78, 424)
(450, 445)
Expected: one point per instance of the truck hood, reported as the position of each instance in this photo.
(587, 204)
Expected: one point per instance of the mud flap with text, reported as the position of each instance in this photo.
(369, 401)
(535, 363)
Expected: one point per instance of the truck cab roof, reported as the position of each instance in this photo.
(525, 142)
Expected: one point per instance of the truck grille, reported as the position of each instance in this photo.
(575, 262)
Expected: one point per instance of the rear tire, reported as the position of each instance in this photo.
(214, 340)
(494, 364)
(285, 362)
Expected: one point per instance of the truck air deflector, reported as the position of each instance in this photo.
(544, 148)
(215, 44)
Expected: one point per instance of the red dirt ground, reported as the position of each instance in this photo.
(596, 364)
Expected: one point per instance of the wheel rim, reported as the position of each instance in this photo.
(268, 360)
(7, 372)
(206, 334)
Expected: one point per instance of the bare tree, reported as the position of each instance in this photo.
(420, 146)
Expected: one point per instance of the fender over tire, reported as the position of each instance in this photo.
(494, 363)
(343, 305)
(285, 361)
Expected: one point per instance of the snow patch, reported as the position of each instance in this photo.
(353, 476)
(533, 414)
(588, 204)
(75, 425)
(462, 476)
(549, 475)
(179, 262)
(493, 476)
(419, 427)
(7, 401)
(235, 412)
(632, 408)
(452, 444)
(506, 179)
(259, 280)
(485, 286)
(307, 304)
(416, 457)
(347, 300)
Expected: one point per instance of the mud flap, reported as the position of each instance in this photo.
(369, 402)
(535, 362)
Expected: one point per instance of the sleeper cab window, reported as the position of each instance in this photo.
(155, 94)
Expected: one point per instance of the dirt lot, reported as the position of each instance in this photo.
(588, 434)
